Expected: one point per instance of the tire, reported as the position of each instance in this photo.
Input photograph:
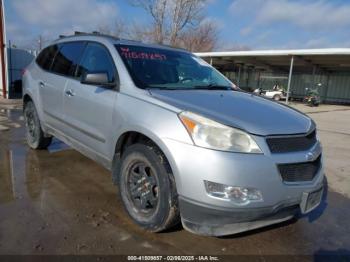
(147, 188)
(35, 136)
(277, 97)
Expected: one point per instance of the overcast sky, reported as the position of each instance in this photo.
(258, 24)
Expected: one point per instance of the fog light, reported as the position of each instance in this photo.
(238, 195)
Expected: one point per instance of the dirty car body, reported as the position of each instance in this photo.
(239, 161)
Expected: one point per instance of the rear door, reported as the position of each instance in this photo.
(89, 109)
(53, 83)
(50, 90)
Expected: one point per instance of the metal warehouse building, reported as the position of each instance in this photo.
(12, 62)
(295, 70)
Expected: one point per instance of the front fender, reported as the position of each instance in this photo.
(156, 139)
(133, 114)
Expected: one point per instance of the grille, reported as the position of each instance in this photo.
(300, 172)
(291, 144)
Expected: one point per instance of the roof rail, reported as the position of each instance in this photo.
(97, 33)
(94, 33)
(79, 33)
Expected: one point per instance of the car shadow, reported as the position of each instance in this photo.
(332, 255)
(261, 230)
(173, 229)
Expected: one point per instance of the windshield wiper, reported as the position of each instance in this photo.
(199, 87)
(213, 87)
(162, 88)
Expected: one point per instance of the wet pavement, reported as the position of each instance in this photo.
(57, 201)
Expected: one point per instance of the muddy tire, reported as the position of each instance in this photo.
(147, 188)
(35, 136)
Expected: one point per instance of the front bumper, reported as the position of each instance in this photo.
(208, 215)
(212, 221)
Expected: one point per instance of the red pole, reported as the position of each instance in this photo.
(2, 47)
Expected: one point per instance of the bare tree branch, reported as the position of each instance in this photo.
(157, 9)
(203, 39)
(171, 17)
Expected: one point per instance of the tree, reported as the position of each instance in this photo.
(203, 39)
(184, 13)
(178, 23)
(157, 9)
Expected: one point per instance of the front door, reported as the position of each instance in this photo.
(89, 109)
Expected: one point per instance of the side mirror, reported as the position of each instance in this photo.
(97, 79)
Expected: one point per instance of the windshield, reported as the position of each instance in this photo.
(168, 69)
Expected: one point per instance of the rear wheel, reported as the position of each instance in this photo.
(277, 97)
(36, 138)
(147, 188)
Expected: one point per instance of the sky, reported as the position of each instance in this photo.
(253, 24)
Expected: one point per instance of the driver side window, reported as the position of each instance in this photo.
(96, 58)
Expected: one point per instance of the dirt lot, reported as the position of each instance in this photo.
(60, 202)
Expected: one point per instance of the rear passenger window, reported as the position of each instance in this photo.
(67, 58)
(45, 58)
(96, 58)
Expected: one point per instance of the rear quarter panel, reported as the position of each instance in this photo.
(30, 85)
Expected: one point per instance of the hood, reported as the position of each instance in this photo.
(252, 113)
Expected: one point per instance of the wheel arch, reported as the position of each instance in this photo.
(131, 137)
(26, 99)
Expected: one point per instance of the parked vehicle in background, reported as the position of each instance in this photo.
(276, 93)
(259, 91)
(182, 144)
(312, 97)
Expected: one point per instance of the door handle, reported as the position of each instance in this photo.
(41, 84)
(70, 92)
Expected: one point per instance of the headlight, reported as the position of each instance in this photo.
(210, 134)
(238, 195)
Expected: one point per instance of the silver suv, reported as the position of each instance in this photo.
(181, 141)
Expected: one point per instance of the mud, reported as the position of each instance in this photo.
(59, 202)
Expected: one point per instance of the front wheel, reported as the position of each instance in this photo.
(36, 138)
(147, 188)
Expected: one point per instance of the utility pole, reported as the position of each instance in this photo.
(290, 78)
(40, 42)
(3, 64)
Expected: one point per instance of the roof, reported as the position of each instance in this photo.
(327, 59)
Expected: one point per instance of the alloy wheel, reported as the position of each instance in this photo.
(143, 188)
